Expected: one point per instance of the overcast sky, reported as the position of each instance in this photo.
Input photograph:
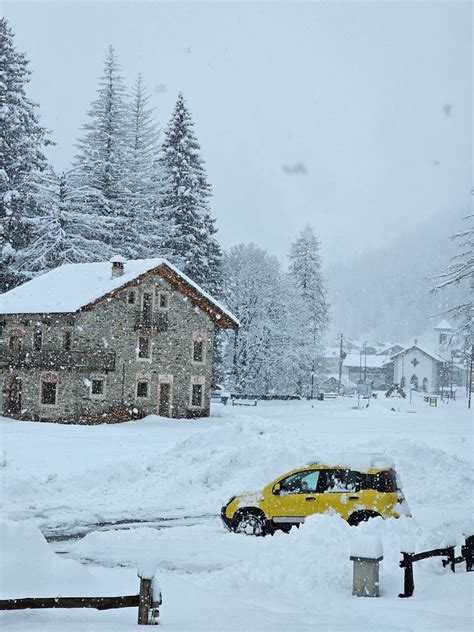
(355, 117)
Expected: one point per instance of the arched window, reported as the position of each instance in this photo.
(425, 384)
(403, 382)
(414, 382)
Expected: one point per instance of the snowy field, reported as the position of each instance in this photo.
(108, 496)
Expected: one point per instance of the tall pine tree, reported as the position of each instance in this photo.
(305, 272)
(184, 201)
(100, 165)
(22, 141)
(143, 177)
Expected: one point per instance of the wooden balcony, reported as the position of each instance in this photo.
(86, 361)
(147, 322)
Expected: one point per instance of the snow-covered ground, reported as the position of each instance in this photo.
(161, 484)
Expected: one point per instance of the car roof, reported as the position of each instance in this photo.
(358, 462)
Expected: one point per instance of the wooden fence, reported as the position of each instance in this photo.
(147, 603)
(467, 555)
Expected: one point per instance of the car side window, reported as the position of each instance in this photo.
(336, 481)
(305, 482)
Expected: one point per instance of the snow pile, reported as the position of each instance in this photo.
(367, 546)
(30, 568)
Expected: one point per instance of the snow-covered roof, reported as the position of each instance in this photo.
(370, 361)
(443, 325)
(424, 349)
(344, 380)
(73, 286)
(388, 347)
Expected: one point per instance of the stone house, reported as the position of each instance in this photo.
(98, 342)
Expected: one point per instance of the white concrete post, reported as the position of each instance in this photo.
(367, 552)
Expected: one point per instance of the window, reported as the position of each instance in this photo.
(147, 307)
(198, 351)
(196, 395)
(144, 347)
(442, 338)
(300, 483)
(142, 388)
(37, 340)
(49, 383)
(67, 340)
(15, 341)
(97, 387)
(131, 298)
(163, 300)
(383, 481)
(335, 481)
(199, 347)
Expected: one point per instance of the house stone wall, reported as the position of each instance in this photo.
(110, 327)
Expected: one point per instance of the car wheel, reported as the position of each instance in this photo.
(361, 516)
(250, 523)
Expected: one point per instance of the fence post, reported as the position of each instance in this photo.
(144, 600)
(451, 558)
(467, 551)
(408, 584)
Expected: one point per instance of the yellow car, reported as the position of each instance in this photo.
(365, 487)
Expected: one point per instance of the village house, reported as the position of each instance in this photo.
(96, 342)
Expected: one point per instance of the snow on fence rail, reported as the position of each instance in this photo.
(148, 601)
(467, 555)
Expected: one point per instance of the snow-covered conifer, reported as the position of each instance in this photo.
(185, 198)
(22, 140)
(305, 272)
(143, 174)
(59, 232)
(99, 176)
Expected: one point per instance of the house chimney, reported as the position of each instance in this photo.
(118, 264)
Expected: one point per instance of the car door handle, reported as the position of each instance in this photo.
(310, 498)
(353, 497)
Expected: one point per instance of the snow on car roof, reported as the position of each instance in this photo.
(359, 462)
(72, 286)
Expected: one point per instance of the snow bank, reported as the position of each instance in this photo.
(30, 568)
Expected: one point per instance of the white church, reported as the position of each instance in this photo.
(428, 366)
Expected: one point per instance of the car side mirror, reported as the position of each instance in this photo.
(277, 489)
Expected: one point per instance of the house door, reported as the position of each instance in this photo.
(13, 397)
(164, 399)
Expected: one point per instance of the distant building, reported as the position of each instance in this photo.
(429, 368)
(89, 342)
(369, 370)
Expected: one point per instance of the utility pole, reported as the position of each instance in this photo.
(365, 367)
(342, 356)
(470, 377)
